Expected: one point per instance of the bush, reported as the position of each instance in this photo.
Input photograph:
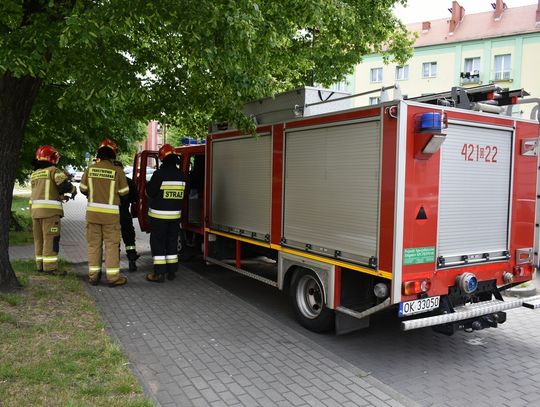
(20, 225)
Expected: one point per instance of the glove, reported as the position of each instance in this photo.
(74, 192)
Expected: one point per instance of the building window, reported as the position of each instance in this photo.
(374, 100)
(402, 73)
(502, 67)
(429, 69)
(341, 86)
(471, 70)
(376, 75)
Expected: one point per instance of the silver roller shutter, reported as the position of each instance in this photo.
(474, 194)
(331, 191)
(241, 185)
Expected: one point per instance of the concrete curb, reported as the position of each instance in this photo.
(527, 289)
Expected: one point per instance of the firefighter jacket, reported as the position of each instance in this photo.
(48, 186)
(130, 201)
(133, 191)
(166, 191)
(103, 183)
(132, 197)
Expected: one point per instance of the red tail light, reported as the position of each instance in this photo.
(416, 286)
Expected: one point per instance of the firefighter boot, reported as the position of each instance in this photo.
(156, 278)
(172, 267)
(132, 258)
(94, 279)
(121, 280)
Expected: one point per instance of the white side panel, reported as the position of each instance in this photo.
(241, 185)
(331, 191)
(325, 272)
(401, 156)
(474, 193)
(537, 220)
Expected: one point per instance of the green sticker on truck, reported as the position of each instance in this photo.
(419, 255)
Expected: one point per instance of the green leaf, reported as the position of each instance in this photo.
(108, 66)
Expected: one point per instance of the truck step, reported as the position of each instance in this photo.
(467, 312)
(532, 303)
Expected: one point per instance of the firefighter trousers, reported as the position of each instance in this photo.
(97, 236)
(164, 244)
(128, 232)
(46, 233)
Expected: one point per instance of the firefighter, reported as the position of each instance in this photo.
(126, 221)
(49, 185)
(166, 192)
(105, 186)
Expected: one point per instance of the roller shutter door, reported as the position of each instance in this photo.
(474, 194)
(241, 185)
(331, 192)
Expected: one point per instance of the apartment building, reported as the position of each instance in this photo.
(500, 46)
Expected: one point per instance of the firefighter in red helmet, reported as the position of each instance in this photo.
(166, 192)
(105, 185)
(49, 184)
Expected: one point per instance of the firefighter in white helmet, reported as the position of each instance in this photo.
(166, 192)
(104, 184)
(49, 184)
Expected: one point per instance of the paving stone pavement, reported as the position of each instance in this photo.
(193, 343)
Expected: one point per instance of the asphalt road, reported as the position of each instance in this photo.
(493, 367)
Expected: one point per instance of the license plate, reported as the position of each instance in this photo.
(418, 306)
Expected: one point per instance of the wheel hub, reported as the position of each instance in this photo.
(309, 296)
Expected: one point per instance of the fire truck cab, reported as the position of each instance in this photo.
(192, 166)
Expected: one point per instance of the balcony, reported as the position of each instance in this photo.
(499, 76)
(470, 77)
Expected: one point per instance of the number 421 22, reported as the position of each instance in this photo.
(475, 152)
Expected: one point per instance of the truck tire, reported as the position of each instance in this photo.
(307, 296)
(188, 245)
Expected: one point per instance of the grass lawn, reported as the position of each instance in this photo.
(54, 350)
(21, 210)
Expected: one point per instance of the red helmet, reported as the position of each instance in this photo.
(47, 153)
(109, 143)
(165, 150)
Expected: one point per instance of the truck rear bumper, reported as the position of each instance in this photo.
(471, 311)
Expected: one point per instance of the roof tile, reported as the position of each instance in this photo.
(479, 26)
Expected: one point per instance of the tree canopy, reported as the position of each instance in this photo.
(75, 71)
(106, 64)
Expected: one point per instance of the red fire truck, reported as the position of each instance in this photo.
(425, 205)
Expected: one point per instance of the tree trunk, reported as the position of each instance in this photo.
(17, 96)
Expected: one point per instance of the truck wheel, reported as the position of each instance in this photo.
(307, 296)
(187, 245)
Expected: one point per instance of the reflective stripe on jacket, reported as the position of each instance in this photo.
(103, 183)
(155, 213)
